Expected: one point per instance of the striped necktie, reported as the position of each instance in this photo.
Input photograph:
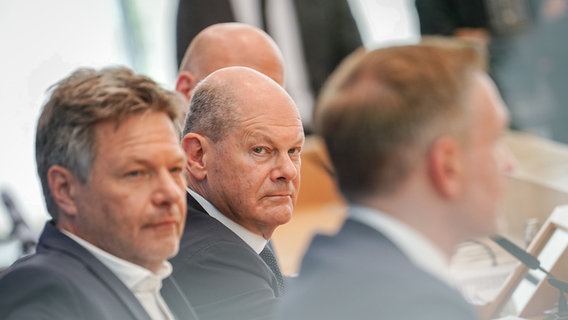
(268, 257)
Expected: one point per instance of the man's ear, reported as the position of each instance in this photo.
(445, 165)
(185, 84)
(196, 149)
(63, 186)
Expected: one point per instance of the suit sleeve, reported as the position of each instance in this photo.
(30, 293)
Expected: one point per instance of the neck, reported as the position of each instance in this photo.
(429, 221)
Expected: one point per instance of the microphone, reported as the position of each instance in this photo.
(526, 258)
(533, 263)
(20, 230)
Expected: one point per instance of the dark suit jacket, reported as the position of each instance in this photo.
(222, 276)
(360, 274)
(62, 280)
(328, 31)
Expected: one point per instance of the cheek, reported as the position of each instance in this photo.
(296, 183)
(496, 172)
(252, 176)
(254, 185)
(487, 161)
(99, 203)
(126, 206)
(228, 177)
(482, 180)
(119, 212)
(490, 181)
(234, 183)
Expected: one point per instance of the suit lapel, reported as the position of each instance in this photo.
(177, 301)
(55, 240)
(196, 211)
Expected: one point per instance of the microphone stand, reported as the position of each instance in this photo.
(533, 263)
(562, 312)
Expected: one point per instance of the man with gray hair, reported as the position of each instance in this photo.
(414, 135)
(111, 168)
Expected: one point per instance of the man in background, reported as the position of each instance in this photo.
(314, 36)
(111, 169)
(224, 45)
(413, 133)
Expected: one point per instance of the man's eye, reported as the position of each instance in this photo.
(259, 150)
(176, 170)
(294, 151)
(134, 173)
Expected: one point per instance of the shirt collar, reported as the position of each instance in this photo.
(135, 277)
(255, 241)
(414, 245)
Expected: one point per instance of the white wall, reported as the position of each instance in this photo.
(385, 22)
(43, 41)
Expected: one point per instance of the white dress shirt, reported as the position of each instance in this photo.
(414, 245)
(142, 282)
(255, 241)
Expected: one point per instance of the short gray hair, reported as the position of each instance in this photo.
(65, 133)
(212, 110)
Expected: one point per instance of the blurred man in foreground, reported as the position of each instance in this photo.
(413, 133)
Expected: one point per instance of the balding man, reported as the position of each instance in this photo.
(229, 44)
(242, 137)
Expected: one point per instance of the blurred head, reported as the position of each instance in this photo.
(229, 44)
(428, 108)
(242, 137)
(110, 164)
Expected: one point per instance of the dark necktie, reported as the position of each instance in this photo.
(268, 257)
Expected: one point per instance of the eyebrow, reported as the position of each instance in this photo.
(262, 136)
(148, 160)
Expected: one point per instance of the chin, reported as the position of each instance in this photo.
(166, 249)
(282, 218)
(174, 250)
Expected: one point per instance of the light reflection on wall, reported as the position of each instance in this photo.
(43, 41)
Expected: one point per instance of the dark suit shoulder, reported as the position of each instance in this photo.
(361, 274)
(226, 280)
(203, 231)
(56, 286)
(35, 286)
(62, 280)
(220, 262)
(221, 275)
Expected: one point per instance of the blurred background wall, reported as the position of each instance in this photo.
(43, 41)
